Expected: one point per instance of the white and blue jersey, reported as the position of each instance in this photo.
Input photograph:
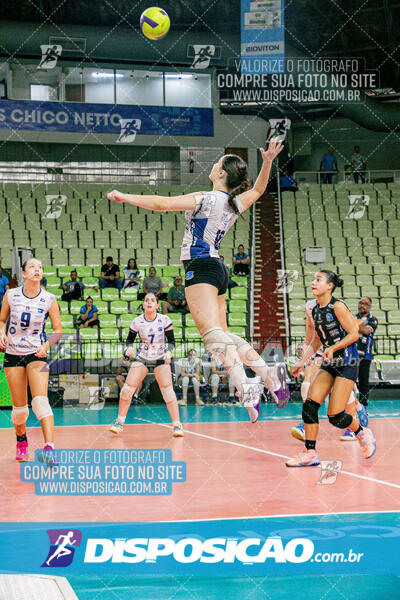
(207, 225)
(153, 344)
(26, 331)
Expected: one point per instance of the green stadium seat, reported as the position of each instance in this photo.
(64, 307)
(108, 333)
(89, 333)
(128, 294)
(237, 306)
(176, 319)
(136, 307)
(49, 271)
(238, 293)
(67, 321)
(102, 306)
(108, 320)
(75, 306)
(110, 294)
(239, 319)
(192, 333)
(240, 331)
(118, 307)
(189, 322)
(53, 282)
(126, 319)
(113, 351)
(178, 332)
(169, 271)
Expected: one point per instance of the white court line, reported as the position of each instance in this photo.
(209, 437)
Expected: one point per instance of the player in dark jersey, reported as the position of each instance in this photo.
(336, 329)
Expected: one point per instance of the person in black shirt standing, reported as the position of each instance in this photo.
(367, 325)
(336, 329)
(110, 275)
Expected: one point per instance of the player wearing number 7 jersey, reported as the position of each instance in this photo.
(157, 341)
(27, 309)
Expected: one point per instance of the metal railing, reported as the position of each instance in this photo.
(101, 172)
(76, 356)
(343, 177)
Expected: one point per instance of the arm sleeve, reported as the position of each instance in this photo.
(170, 339)
(131, 337)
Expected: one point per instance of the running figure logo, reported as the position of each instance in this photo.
(54, 206)
(129, 128)
(50, 56)
(278, 129)
(358, 204)
(202, 56)
(62, 547)
(329, 471)
(285, 280)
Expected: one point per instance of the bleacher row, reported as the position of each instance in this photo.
(362, 243)
(82, 227)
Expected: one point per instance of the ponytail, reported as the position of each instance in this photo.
(333, 278)
(237, 180)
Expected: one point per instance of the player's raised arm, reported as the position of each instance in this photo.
(159, 203)
(248, 198)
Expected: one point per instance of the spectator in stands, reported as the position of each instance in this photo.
(73, 289)
(88, 316)
(110, 275)
(120, 376)
(287, 182)
(358, 165)
(328, 165)
(131, 275)
(4, 285)
(231, 283)
(176, 299)
(367, 325)
(241, 262)
(219, 376)
(152, 284)
(191, 371)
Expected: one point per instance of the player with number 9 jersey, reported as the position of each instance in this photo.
(28, 316)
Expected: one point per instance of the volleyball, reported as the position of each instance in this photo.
(154, 23)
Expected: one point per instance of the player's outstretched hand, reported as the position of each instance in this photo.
(116, 196)
(274, 147)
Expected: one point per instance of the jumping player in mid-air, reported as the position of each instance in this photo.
(155, 332)
(26, 347)
(209, 216)
(336, 330)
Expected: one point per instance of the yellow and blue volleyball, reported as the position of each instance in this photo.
(154, 23)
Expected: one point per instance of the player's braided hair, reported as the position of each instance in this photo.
(237, 180)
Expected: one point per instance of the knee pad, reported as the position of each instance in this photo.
(168, 394)
(127, 392)
(305, 386)
(195, 382)
(310, 412)
(217, 341)
(342, 420)
(19, 414)
(185, 381)
(41, 407)
(214, 380)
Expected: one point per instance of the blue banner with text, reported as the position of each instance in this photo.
(125, 121)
